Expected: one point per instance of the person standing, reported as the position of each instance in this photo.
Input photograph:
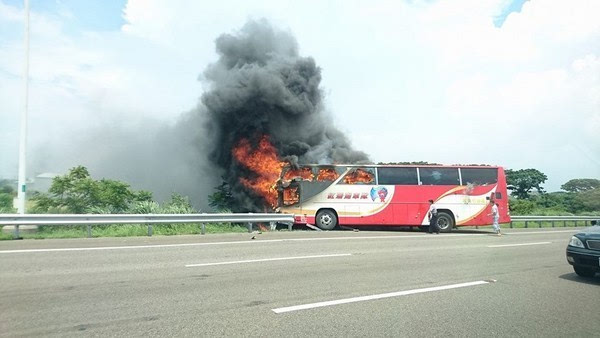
(495, 218)
(432, 214)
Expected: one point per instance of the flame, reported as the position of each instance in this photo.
(290, 196)
(262, 160)
(327, 174)
(359, 176)
(303, 173)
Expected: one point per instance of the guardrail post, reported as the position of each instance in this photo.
(203, 229)
(553, 224)
(290, 225)
(540, 224)
(89, 229)
(249, 227)
(150, 230)
(526, 224)
(16, 234)
(564, 224)
(511, 224)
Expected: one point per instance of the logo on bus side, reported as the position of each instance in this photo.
(380, 192)
(347, 196)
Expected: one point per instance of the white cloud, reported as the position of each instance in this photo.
(430, 81)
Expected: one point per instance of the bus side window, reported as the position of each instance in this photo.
(397, 176)
(359, 176)
(479, 176)
(439, 176)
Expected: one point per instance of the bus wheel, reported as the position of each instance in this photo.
(445, 221)
(326, 219)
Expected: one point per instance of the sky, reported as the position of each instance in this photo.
(511, 83)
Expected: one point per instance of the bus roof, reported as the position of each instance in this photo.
(402, 165)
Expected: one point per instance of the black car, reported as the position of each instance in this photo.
(583, 251)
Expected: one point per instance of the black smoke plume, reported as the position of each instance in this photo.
(261, 86)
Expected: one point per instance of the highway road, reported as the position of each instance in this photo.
(299, 284)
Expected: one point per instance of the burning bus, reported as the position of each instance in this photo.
(392, 195)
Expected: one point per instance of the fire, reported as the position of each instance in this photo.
(359, 176)
(264, 163)
(304, 173)
(290, 196)
(327, 174)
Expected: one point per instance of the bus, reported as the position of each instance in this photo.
(392, 195)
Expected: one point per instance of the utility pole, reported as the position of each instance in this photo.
(23, 136)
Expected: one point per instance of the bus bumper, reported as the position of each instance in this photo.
(300, 219)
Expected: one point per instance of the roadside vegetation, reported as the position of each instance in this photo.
(78, 193)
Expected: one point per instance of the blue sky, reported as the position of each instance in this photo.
(95, 15)
(512, 7)
(511, 83)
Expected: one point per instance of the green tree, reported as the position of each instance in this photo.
(222, 200)
(581, 184)
(522, 181)
(178, 205)
(7, 194)
(590, 200)
(77, 192)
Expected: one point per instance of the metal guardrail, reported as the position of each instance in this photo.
(149, 219)
(587, 220)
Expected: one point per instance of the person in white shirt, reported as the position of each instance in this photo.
(432, 214)
(495, 218)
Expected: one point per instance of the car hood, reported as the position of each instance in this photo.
(591, 232)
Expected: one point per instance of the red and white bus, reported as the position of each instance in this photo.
(392, 195)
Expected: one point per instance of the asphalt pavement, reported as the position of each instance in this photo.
(298, 284)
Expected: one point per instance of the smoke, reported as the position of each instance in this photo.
(261, 86)
(164, 158)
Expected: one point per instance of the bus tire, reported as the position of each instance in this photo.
(445, 221)
(326, 219)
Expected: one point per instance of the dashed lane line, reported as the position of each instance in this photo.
(266, 260)
(379, 296)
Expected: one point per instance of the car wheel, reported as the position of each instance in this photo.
(326, 219)
(584, 272)
(445, 221)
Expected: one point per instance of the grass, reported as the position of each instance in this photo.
(547, 224)
(126, 230)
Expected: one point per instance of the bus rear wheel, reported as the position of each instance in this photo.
(326, 219)
(445, 221)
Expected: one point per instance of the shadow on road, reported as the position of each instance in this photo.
(412, 230)
(585, 280)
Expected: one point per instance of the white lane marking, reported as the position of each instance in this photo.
(130, 247)
(541, 232)
(134, 246)
(379, 296)
(267, 260)
(520, 244)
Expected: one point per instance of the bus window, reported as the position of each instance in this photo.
(327, 174)
(290, 196)
(397, 176)
(439, 176)
(479, 176)
(303, 173)
(359, 176)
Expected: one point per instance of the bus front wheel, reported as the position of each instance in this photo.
(326, 219)
(445, 221)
